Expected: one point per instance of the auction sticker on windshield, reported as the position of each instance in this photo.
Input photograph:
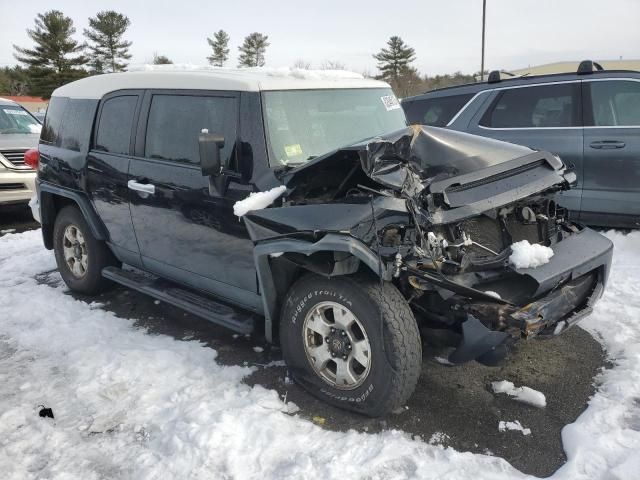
(390, 102)
(293, 150)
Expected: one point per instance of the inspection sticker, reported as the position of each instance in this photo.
(13, 111)
(293, 150)
(390, 102)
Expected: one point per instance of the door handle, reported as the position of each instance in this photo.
(607, 144)
(147, 188)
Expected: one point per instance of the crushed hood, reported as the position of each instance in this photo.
(411, 159)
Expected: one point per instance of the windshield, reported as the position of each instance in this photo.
(304, 124)
(15, 119)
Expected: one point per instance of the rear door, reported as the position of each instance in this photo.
(543, 117)
(108, 169)
(611, 193)
(186, 232)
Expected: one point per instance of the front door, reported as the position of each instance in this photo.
(611, 193)
(185, 232)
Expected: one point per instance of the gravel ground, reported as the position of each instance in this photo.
(452, 406)
(16, 219)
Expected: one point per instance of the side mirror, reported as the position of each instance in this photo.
(210, 145)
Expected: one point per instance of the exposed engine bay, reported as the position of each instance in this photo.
(440, 210)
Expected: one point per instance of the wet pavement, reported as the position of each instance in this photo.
(452, 406)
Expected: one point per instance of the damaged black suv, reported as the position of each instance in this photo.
(307, 209)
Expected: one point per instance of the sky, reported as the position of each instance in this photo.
(446, 35)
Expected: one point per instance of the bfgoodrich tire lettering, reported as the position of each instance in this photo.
(94, 254)
(391, 330)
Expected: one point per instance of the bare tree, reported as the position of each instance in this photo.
(302, 64)
(332, 65)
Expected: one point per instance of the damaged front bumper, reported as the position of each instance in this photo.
(567, 289)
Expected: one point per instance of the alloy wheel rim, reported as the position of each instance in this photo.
(75, 252)
(336, 345)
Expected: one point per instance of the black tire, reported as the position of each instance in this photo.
(98, 253)
(396, 349)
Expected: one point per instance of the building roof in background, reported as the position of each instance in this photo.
(572, 67)
(215, 78)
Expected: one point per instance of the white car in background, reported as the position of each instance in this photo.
(19, 132)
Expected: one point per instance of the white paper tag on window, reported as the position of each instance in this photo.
(13, 111)
(390, 102)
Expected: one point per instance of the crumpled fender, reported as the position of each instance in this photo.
(331, 242)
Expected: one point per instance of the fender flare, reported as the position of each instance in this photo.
(331, 242)
(98, 230)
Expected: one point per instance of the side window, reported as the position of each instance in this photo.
(436, 112)
(535, 107)
(614, 103)
(114, 127)
(175, 121)
(53, 120)
(76, 128)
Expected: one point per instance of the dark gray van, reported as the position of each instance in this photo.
(590, 119)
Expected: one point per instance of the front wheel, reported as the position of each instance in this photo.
(351, 342)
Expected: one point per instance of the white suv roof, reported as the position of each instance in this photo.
(213, 78)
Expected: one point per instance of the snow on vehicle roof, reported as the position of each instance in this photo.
(194, 77)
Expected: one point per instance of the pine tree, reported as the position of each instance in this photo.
(252, 50)
(220, 46)
(394, 61)
(108, 49)
(56, 58)
(161, 60)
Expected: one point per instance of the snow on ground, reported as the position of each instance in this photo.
(257, 201)
(505, 426)
(526, 255)
(129, 404)
(522, 394)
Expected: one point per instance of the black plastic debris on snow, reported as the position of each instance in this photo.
(45, 412)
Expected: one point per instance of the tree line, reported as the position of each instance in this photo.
(57, 58)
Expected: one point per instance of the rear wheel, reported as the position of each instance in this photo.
(80, 257)
(351, 342)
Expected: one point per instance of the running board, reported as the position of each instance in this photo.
(233, 318)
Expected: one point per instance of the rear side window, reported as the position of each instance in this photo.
(53, 120)
(614, 103)
(545, 106)
(116, 120)
(76, 127)
(436, 112)
(175, 121)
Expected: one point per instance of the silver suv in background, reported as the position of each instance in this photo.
(19, 132)
(589, 118)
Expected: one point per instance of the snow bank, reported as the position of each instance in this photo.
(522, 394)
(257, 201)
(526, 255)
(504, 426)
(132, 405)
